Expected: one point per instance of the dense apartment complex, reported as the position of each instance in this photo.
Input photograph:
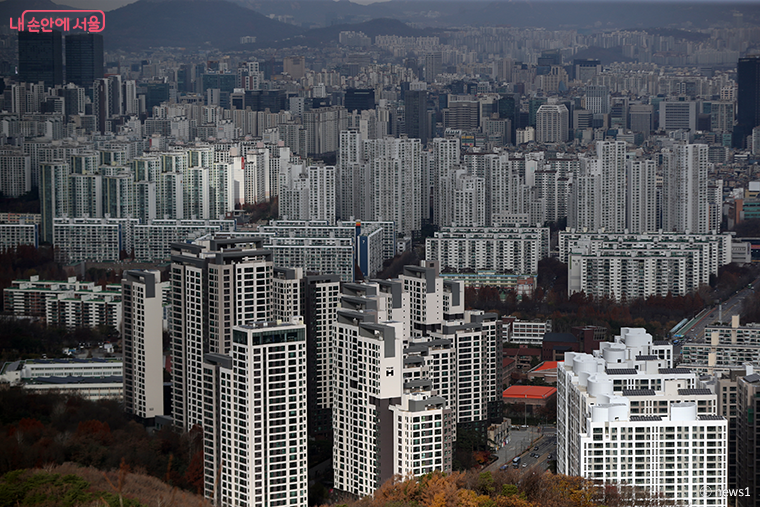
(641, 265)
(406, 351)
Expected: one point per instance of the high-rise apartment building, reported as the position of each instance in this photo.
(445, 156)
(406, 351)
(40, 58)
(254, 434)
(142, 336)
(214, 287)
(641, 196)
(321, 295)
(15, 173)
(685, 206)
(54, 195)
(625, 416)
(610, 157)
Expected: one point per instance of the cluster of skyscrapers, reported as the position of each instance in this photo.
(263, 357)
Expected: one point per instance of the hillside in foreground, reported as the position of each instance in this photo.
(510, 488)
(72, 485)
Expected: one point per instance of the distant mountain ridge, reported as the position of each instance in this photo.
(191, 24)
(14, 8)
(550, 14)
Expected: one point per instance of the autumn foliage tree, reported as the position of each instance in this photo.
(40, 429)
(510, 488)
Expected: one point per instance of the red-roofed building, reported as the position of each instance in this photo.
(546, 370)
(533, 396)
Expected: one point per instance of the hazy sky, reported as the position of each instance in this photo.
(102, 5)
(107, 5)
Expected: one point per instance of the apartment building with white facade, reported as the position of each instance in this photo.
(142, 338)
(641, 265)
(255, 431)
(68, 303)
(476, 378)
(104, 239)
(723, 347)
(500, 249)
(367, 373)
(434, 364)
(625, 416)
(322, 247)
(685, 206)
(216, 286)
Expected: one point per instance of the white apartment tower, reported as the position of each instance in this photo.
(444, 158)
(610, 156)
(367, 369)
(255, 443)
(464, 200)
(322, 193)
(397, 192)
(142, 335)
(685, 206)
(641, 202)
(214, 287)
(475, 377)
(294, 193)
(256, 175)
(625, 416)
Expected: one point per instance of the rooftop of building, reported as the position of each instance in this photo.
(546, 365)
(530, 392)
(115, 379)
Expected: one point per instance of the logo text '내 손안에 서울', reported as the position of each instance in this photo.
(711, 492)
(42, 21)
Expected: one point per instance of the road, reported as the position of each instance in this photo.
(520, 444)
(732, 306)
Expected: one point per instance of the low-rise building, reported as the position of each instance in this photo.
(521, 285)
(68, 303)
(534, 397)
(514, 330)
(546, 371)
